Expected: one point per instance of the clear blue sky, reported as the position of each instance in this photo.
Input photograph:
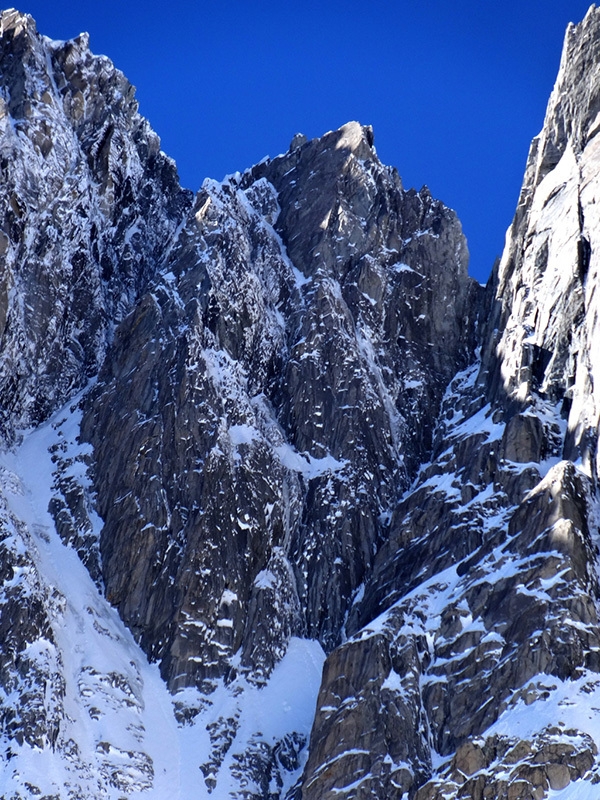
(454, 90)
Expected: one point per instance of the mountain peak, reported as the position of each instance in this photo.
(353, 136)
(16, 21)
(573, 112)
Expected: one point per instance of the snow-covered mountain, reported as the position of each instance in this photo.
(291, 507)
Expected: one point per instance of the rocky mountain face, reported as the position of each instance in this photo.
(342, 495)
(483, 598)
(288, 390)
(87, 203)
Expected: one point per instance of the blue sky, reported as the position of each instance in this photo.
(454, 91)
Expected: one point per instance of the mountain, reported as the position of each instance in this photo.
(290, 506)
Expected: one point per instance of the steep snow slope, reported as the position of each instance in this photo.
(112, 724)
(84, 714)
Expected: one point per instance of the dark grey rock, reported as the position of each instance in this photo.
(308, 421)
(491, 556)
(289, 389)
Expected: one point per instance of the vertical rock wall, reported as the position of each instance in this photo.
(280, 401)
(484, 598)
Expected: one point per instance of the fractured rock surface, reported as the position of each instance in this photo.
(489, 574)
(286, 392)
(87, 202)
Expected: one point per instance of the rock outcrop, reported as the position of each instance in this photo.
(484, 598)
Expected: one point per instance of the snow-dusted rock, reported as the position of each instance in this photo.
(87, 203)
(307, 432)
(264, 409)
(489, 574)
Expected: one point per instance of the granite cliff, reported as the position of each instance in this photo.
(276, 442)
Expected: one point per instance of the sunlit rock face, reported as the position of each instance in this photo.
(546, 341)
(87, 204)
(344, 496)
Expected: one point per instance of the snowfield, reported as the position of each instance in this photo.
(118, 734)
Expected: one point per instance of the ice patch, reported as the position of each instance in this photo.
(307, 465)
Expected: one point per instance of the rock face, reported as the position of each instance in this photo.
(483, 599)
(87, 203)
(309, 433)
(286, 390)
(31, 679)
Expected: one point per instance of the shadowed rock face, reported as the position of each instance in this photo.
(286, 392)
(307, 421)
(488, 576)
